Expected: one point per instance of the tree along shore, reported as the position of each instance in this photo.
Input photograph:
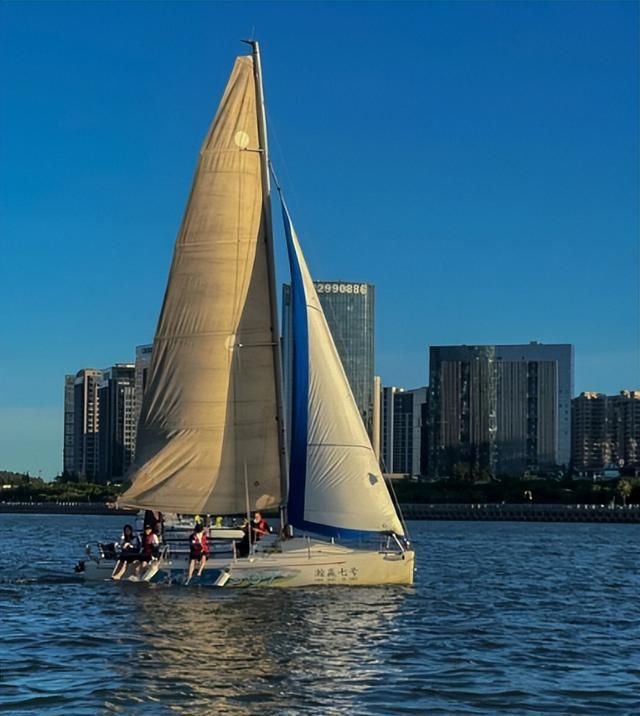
(23, 488)
(513, 490)
(17, 487)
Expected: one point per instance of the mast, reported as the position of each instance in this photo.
(266, 198)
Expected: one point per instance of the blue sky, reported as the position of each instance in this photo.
(477, 162)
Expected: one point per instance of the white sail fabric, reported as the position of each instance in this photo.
(208, 430)
(343, 491)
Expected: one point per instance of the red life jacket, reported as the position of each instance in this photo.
(148, 545)
(199, 545)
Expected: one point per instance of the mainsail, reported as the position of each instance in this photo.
(208, 431)
(335, 484)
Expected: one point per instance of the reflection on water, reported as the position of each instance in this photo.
(240, 648)
(504, 618)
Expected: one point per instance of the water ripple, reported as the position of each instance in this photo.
(504, 619)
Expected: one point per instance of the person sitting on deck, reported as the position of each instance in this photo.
(259, 527)
(198, 550)
(150, 547)
(129, 551)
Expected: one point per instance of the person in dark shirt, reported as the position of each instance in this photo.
(155, 520)
(243, 547)
(129, 552)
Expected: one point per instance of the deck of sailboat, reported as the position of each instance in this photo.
(297, 562)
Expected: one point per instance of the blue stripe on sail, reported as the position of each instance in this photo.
(329, 531)
(300, 401)
(299, 383)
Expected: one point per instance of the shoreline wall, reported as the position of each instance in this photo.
(522, 512)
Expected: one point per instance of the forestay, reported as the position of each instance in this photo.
(335, 484)
(208, 429)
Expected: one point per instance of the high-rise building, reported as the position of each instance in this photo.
(99, 421)
(68, 454)
(143, 363)
(401, 422)
(605, 430)
(590, 440)
(541, 403)
(461, 409)
(349, 310)
(625, 419)
(86, 422)
(117, 403)
(499, 409)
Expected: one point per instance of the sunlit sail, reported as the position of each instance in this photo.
(211, 438)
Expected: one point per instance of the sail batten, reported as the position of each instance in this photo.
(208, 430)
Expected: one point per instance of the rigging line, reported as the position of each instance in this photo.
(274, 134)
(394, 497)
(291, 184)
(396, 504)
(275, 178)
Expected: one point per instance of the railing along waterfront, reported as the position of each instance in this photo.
(63, 507)
(524, 512)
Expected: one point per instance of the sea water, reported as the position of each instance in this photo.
(511, 618)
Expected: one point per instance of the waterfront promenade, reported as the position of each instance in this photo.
(61, 508)
(525, 512)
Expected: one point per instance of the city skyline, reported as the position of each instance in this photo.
(490, 198)
(499, 410)
(561, 366)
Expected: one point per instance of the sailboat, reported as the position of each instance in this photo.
(211, 437)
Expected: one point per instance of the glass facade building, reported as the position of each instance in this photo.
(116, 396)
(86, 422)
(100, 422)
(143, 363)
(68, 454)
(498, 409)
(401, 440)
(349, 309)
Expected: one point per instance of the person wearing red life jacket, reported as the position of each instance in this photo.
(198, 550)
(149, 550)
(259, 526)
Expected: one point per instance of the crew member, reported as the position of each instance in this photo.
(150, 547)
(198, 550)
(259, 527)
(129, 552)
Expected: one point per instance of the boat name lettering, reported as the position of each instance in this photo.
(331, 573)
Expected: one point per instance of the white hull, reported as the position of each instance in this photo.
(296, 563)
